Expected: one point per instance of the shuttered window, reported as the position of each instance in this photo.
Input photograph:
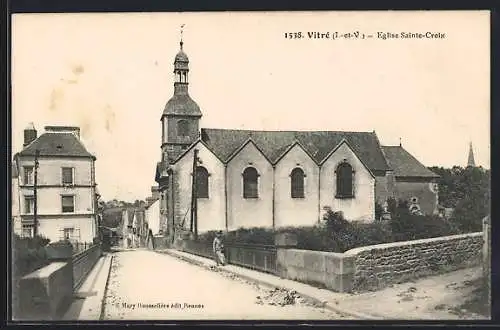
(68, 203)
(29, 204)
(67, 175)
(28, 175)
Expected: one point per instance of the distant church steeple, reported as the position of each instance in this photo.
(470, 159)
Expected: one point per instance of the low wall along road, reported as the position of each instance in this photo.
(378, 266)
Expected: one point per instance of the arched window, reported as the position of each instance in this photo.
(182, 128)
(202, 182)
(250, 183)
(344, 181)
(297, 183)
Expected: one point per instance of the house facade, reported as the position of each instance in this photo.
(127, 227)
(66, 187)
(139, 228)
(152, 216)
(251, 178)
(15, 201)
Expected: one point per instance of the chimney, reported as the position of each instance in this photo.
(64, 129)
(155, 192)
(29, 134)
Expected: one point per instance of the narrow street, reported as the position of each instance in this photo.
(145, 285)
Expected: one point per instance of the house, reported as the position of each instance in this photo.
(127, 226)
(254, 178)
(15, 202)
(66, 196)
(139, 226)
(152, 216)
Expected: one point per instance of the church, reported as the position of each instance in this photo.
(255, 178)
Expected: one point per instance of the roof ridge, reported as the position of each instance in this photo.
(286, 131)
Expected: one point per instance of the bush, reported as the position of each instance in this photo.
(406, 227)
(28, 255)
(255, 235)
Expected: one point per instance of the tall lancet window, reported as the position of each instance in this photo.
(297, 183)
(202, 182)
(250, 183)
(345, 180)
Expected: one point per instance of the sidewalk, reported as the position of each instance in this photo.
(432, 298)
(88, 299)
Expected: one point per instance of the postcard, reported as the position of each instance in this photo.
(251, 166)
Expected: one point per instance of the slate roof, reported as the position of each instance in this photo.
(404, 164)
(183, 105)
(57, 144)
(225, 142)
(181, 56)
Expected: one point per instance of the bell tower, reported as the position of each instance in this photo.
(181, 116)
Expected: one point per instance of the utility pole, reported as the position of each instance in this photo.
(194, 199)
(35, 197)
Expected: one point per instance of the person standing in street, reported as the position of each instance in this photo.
(218, 248)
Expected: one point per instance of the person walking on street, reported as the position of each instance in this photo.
(218, 247)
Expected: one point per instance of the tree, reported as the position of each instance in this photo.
(467, 190)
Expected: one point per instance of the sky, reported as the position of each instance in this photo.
(111, 74)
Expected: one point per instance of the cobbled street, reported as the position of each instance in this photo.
(145, 285)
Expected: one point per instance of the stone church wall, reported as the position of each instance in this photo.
(362, 206)
(253, 212)
(211, 211)
(384, 187)
(290, 211)
(427, 198)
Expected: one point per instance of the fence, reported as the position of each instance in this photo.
(203, 249)
(84, 261)
(258, 257)
(80, 246)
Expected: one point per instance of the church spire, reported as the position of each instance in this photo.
(181, 68)
(470, 159)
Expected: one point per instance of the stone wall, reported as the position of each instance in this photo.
(44, 293)
(377, 266)
(329, 270)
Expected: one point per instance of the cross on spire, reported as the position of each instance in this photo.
(182, 31)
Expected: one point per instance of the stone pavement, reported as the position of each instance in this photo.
(421, 299)
(88, 299)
